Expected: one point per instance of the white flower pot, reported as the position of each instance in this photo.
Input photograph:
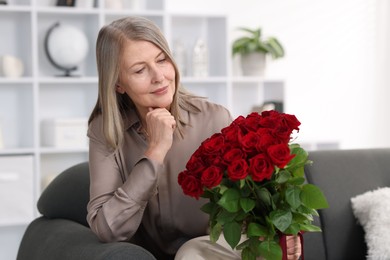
(253, 64)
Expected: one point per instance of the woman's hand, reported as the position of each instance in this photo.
(293, 244)
(160, 127)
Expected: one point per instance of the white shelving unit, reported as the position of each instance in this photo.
(41, 94)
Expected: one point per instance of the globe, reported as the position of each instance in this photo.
(66, 47)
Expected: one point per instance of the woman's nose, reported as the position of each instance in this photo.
(158, 75)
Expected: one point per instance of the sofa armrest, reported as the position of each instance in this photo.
(63, 239)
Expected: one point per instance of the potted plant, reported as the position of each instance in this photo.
(253, 50)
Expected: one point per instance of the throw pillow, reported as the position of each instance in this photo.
(372, 210)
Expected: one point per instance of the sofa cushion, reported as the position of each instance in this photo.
(61, 239)
(67, 195)
(372, 210)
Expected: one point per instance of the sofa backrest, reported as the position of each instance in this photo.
(341, 175)
(67, 195)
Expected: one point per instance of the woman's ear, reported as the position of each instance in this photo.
(119, 89)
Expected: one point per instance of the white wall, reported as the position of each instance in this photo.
(335, 67)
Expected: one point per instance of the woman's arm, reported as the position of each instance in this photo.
(115, 208)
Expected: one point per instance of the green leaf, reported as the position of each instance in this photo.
(271, 250)
(281, 219)
(302, 217)
(312, 197)
(296, 180)
(310, 228)
(300, 155)
(299, 171)
(256, 230)
(293, 229)
(247, 204)
(232, 233)
(230, 200)
(208, 194)
(293, 197)
(247, 254)
(208, 207)
(264, 196)
(222, 189)
(297, 163)
(244, 244)
(225, 216)
(305, 210)
(215, 232)
(283, 176)
(276, 47)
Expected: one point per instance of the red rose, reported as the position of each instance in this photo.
(260, 168)
(190, 184)
(230, 134)
(238, 120)
(270, 120)
(282, 132)
(238, 170)
(214, 144)
(252, 122)
(270, 113)
(249, 142)
(211, 177)
(280, 154)
(266, 140)
(292, 121)
(233, 155)
(195, 165)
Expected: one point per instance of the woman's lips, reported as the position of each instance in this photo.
(160, 91)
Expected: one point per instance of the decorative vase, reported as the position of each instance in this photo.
(11, 67)
(200, 60)
(253, 64)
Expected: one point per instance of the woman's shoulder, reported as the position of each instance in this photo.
(95, 126)
(211, 114)
(210, 108)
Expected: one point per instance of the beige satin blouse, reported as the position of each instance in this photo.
(128, 189)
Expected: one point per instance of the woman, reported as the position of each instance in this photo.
(142, 132)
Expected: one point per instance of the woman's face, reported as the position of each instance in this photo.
(147, 76)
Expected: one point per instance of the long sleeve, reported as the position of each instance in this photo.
(116, 205)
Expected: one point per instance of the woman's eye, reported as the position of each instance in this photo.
(139, 71)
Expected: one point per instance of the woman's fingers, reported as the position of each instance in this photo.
(293, 247)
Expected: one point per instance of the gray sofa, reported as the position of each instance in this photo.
(62, 233)
(341, 175)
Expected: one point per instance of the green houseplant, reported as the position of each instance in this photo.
(253, 49)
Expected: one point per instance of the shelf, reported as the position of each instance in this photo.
(206, 80)
(127, 12)
(54, 150)
(15, 8)
(68, 80)
(15, 81)
(17, 151)
(248, 79)
(67, 10)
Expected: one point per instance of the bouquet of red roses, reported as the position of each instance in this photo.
(254, 179)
